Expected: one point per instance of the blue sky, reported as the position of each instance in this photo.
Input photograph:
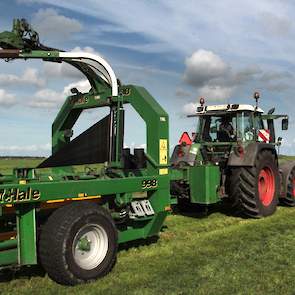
(178, 50)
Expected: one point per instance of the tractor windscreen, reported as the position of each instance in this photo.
(226, 127)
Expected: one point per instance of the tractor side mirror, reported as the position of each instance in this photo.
(285, 124)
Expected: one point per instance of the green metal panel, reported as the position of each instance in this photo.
(8, 257)
(204, 182)
(45, 191)
(156, 120)
(40, 54)
(8, 244)
(177, 174)
(152, 228)
(26, 234)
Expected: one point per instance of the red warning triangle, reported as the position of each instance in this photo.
(185, 138)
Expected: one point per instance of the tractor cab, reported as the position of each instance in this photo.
(225, 131)
(228, 123)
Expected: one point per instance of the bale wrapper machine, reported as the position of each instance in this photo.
(71, 221)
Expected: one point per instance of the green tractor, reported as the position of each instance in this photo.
(233, 158)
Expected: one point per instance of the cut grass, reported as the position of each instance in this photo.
(213, 255)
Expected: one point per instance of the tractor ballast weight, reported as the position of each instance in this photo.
(93, 209)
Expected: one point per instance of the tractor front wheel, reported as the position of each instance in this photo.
(254, 190)
(78, 243)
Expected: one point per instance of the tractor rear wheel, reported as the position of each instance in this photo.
(78, 243)
(289, 198)
(254, 190)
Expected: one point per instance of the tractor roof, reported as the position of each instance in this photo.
(224, 108)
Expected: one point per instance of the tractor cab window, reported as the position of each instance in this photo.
(245, 128)
(218, 128)
(259, 123)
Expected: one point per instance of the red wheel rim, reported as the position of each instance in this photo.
(266, 186)
(293, 190)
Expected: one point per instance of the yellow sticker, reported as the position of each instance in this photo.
(163, 152)
(163, 171)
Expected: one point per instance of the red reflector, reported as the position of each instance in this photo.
(180, 154)
(185, 138)
(240, 151)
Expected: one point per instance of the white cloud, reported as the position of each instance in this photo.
(216, 93)
(203, 66)
(27, 1)
(222, 25)
(275, 75)
(46, 99)
(244, 75)
(288, 145)
(180, 92)
(51, 99)
(151, 47)
(86, 49)
(6, 99)
(82, 85)
(276, 25)
(211, 76)
(49, 23)
(30, 76)
(64, 70)
(60, 70)
(26, 150)
(189, 108)
(216, 80)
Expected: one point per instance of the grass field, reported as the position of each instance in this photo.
(213, 255)
(286, 158)
(7, 164)
(216, 254)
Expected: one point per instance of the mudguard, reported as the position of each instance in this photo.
(250, 153)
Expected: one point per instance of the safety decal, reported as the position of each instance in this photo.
(163, 152)
(264, 135)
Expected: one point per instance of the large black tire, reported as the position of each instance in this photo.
(78, 243)
(289, 198)
(254, 190)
